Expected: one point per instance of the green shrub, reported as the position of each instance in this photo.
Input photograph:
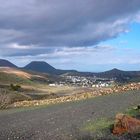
(15, 87)
(98, 125)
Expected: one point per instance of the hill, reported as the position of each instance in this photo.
(113, 73)
(119, 75)
(14, 75)
(40, 66)
(6, 63)
(43, 67)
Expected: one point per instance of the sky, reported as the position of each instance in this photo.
(85, 35)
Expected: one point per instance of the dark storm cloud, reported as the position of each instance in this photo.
(63, 22)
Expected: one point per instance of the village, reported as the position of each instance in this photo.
(82, 81)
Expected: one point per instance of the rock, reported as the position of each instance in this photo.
(126, 124)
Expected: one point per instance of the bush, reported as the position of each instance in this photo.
(15, 87)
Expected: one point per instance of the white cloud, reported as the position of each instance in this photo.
(84, 57)
(137, 18)
(17, 46)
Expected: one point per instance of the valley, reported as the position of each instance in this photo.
(37, 87)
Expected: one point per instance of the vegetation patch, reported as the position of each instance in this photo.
(7, 97)
(99, 129)
(15, 87)
(133, 112)
(98, 125)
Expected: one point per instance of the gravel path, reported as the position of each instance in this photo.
(57, 121)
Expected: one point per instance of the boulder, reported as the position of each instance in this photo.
(126, 124)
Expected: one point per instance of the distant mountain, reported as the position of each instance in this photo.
(112, 73)
(43, 67)
(120, 76)
(6, 63)
(118, 73)
(40, 66)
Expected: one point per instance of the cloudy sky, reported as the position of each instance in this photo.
(86, 35)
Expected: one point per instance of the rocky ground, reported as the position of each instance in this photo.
(59, 122)
(80, 96)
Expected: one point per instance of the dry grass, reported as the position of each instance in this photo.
(16, 72)
(5, 100)
(7, 97)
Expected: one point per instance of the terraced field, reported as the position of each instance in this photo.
(58, 122)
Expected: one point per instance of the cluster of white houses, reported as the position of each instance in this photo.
(85, 82)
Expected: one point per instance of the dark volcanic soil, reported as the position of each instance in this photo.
(57, 122)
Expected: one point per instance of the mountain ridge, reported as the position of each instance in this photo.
(39, 66)
(6, 63)
(44, 67)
